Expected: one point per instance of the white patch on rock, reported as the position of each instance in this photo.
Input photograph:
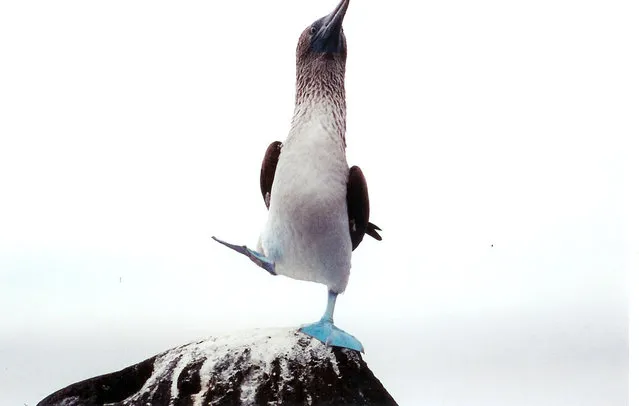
(262, 346)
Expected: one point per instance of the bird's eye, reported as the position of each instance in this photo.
(313, 30)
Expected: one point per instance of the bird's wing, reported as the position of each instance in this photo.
(358, 209)
(267, 174)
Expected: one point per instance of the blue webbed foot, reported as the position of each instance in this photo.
(326, 332)
(257, 258)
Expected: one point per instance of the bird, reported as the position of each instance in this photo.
(318, 208)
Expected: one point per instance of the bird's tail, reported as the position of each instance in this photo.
(371, 230)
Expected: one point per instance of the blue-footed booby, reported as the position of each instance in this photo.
(317, 206)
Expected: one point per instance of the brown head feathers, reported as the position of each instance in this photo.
(321, 59)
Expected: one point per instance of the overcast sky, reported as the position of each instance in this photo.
(495, 138)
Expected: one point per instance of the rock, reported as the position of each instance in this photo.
(259, 367)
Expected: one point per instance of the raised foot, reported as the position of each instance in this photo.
(327, 333)
(257, 258)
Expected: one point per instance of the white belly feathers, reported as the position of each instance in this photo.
(306, 233)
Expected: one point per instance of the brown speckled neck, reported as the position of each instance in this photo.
(321, 82)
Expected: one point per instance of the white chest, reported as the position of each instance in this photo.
(307, 229)
(312, 164)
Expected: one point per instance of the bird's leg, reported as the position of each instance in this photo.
(257, 258)
(330, 307)
(325, 331)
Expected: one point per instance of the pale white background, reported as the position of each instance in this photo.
(496, 137)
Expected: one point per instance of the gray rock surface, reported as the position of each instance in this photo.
(259, 367)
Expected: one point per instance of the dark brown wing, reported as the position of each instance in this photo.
(269, 164)
(358, 209)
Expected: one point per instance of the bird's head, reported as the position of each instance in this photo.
(321, 52)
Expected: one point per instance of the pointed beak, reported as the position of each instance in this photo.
(328, 38)
(333, 21)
